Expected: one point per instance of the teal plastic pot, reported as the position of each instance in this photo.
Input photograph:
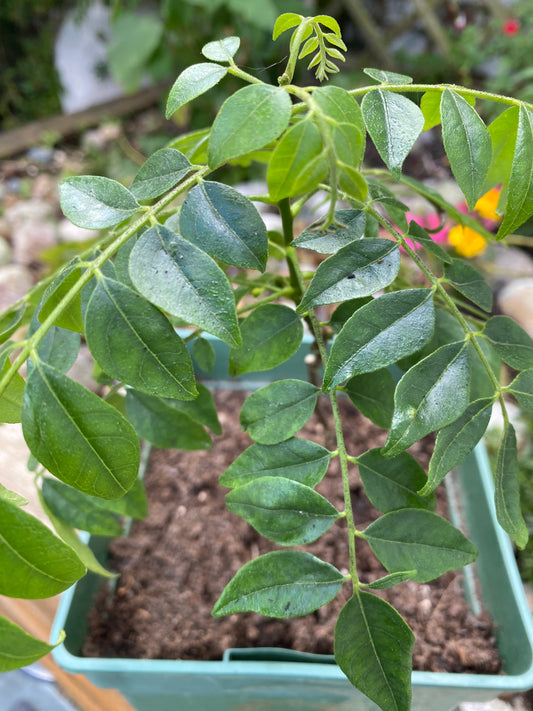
(281, 680)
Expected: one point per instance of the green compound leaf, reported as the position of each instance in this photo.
(373, 647)
(248, 120)
(469, 282)
(394, 123)
(102, 457)
(415, 539)
(162, 423)
(184, 281)
(296, 459)
(282, 510)
(507, 496)
(467, 143)
(276, 412)
(456, 441)
(380, 333)
(522, 389)
(280, 584)
(192, 82)
(285, 22)
(298, 162)
(161, 172)
(373, 395)
(349, 226)
(221, 50)
(133, 342)
(31, 571)
(271, 334)
(225, 224)
(432, 394)
(393, 482)
(96, 202)
(359, 269)
(387, 77)
(519, 189)
(18, 648)
(510, 341)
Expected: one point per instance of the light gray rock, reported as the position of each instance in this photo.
(516, 301)
(5, 252)
(15, 280)
(68, 233)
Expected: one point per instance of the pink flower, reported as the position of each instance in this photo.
(511, 27)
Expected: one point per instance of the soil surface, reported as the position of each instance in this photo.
(174, 565)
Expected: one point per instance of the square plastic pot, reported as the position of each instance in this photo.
(266, 679)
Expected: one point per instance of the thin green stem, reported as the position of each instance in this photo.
(297, 38)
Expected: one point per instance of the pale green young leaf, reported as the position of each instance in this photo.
(380, 333)
(276, 412)
(11, 320)
(11, 398)
(12, 496)
(221, 50)
(286, 22)
(510, 341)
(296, 459)
(135, 343)
(502, 132)
(249, 119)
(310, 46)
(161, 172)
(185, 282)
(346, 121)
(70, 318)
(280, 584)
(282, 510)
(271, 334)
(225, 224)
(416, 539)
(373, 647)
(329, 22)
(522, 389)
(102, 457)
(432, 394)
(95, 202)
(373, 395)
(192, 82)
(349, 225)
(388, 581)
(507, 490)
(467, 143)
(384, 77)
(430, 107)
(359, 269)
(18, 648)
(469, 282)
(29, 571)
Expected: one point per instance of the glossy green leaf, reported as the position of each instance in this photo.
(357, 270)
(285, 22)
(295, 458)
(280, 584)
(225, 224)
(135, 343)
(192, 82)
(387, 77)
(522, 389)
(329, 22)
(271, 334)
(349, 226)
(185, 282)
(11, 320)
(503, 136)
(282, 510)
(467, 143)
(249, 119)
(102, 457)
(96, 202)
(204, 354)
(510, 341)
(394, 123)
(221, 50)
(373, 395)
(18, 648)
(415, 539)
(507, 490)
(419, 235)
(276, 412)
(430, 107)
(346, 122)
(12, 497)
(469, 282)
(70, 318)
(481, 382)
(141, 31)
(373, 647)
(519, 189)
(202, 409)
(159, 421)
(298, 164)
(79, 510)
(59, 347)
(388, 581)
(456, 441)
(11, 398)
(28, 570)
(380, 333)
(432, 394)
(161, 172)
(345, 311)
(393, 482)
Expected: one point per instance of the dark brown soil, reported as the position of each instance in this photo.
(175, 564)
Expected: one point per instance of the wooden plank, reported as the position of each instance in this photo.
(36, 617)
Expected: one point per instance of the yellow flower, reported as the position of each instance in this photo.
(487, 204)
(466, 241)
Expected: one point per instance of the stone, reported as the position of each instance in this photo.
(15, 280)
(507, 263)
(5, 252)
(68, 233)
(30, 239)
(516, 300)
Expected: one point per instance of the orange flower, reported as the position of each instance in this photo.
(487, 204)
(467, 242)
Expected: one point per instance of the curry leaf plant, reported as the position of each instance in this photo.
(181, 247)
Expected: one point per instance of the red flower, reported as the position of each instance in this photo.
(511, 27)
